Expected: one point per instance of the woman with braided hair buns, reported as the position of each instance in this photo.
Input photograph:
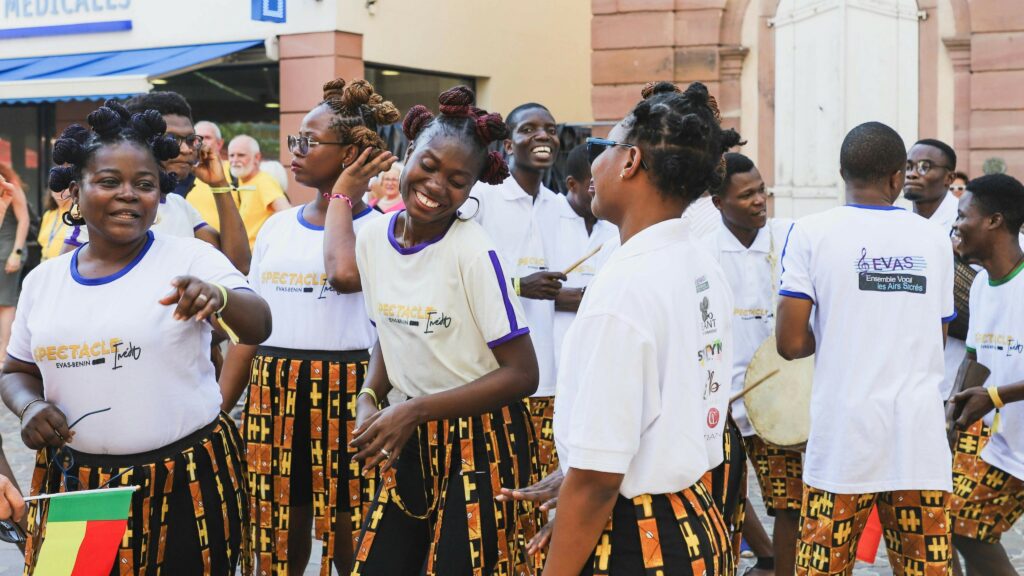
(452, 339)
(302, 382)
(116, 387)
(637, 421)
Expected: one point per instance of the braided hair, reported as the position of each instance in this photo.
(460, 117)
(358, 112)
(110, 124)
(680, 133)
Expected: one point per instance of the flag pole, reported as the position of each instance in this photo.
(59, 494)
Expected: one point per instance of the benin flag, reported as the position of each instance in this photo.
(83, 531)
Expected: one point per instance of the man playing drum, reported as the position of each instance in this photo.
(747, 246)
(988, 477)
(881, 280)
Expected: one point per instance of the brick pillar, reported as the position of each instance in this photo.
(307, 62)
(730, 91)
(960, 53)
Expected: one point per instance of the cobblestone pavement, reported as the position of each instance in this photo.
(21, 460)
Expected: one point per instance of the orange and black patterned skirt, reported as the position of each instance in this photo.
(728, 483)
(190, 515)
(298, 422)
(682, 534)
(435, 512)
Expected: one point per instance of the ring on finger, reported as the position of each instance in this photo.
(386, 453)
(202, 298)
(59, 437)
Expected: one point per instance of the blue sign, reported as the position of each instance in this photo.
(269, 11)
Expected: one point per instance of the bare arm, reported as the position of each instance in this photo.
(515, 379)
(339, 235)
(43, 424)
(232, 239)
(793, 334)
(585, 504)
(234, 376)
(245, 312)
(569, 299)
(20, 205)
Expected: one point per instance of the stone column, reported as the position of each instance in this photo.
(729, 97)
(307, 61)
(959, 49)
(838, 63)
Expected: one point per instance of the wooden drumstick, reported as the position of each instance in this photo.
(743, 392)
(577, 263)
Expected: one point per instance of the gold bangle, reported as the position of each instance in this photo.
(515, 286)
(369, 392)
(993, 393)
(21, 417)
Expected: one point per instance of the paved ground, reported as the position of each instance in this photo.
(21, 460)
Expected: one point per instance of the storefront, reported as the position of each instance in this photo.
(257, 67)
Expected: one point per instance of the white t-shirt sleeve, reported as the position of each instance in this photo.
(20, 345)
(795, 279)
(972, 320)
(494, 304)
(364, 263)
(195, 219)
(209, 265)
(948, 273)
(608, 412)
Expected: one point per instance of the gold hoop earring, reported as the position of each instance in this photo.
(75, 211)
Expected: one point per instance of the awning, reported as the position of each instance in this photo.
(103, 74)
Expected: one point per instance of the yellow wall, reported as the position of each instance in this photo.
(520, 51)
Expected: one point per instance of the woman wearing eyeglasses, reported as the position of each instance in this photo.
(115, 386)
(303, 380)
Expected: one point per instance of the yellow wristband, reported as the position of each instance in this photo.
(515, 285)
(369, 392)
(224, 302)
(223, 189)
(993, 393)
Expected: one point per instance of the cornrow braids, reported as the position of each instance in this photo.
(680, 133)
(109, 124)
(358, 112)
(460, 117)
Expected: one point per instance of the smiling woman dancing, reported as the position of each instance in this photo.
(128, 364)
(452, 339)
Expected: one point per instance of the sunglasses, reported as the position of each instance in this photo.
(11, 532)
(302, 144)
(193, 141)
(597, 145)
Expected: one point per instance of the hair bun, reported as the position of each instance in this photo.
(416, 120)
(67, 151)
(655, 88)
(149, 124)
(119, 109)
(76, 132)
(385, 113)
(496, 169)
(105, 122)
(491, 127)
(60, 178)
(357, 94)
(168, 182)
(165, 148)
(457, 101)
(335, 89)
(697, 93)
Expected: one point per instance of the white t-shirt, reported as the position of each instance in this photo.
(107, 343)
(945, 214)
(702, 218)
(574, 243)
(749, 272)
(174, 217)
(287, 270)
(439, 307)
(630, 398)
(996, 335)
(882, 283)
(525, 231)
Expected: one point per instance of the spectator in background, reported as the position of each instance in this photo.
(211, 135)
(277, 172)
(390, 200)
(53, 229)
(13, 233)
(959, 184)
(259, 194)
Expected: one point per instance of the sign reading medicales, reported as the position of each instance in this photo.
(28, 18)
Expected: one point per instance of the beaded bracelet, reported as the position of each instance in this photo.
(337, 196)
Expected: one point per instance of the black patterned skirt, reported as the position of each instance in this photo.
(190, 515)
(298, 422)
(435, 512)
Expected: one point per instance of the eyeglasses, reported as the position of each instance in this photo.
(11, 532)
(923, 166)
(958, 188)
(302, 144)
(597, 145)
(193, 141)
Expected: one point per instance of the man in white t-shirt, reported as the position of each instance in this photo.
(747, 244)
(522, 216)
(881, 282)
(931, 169)
(988, 477)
